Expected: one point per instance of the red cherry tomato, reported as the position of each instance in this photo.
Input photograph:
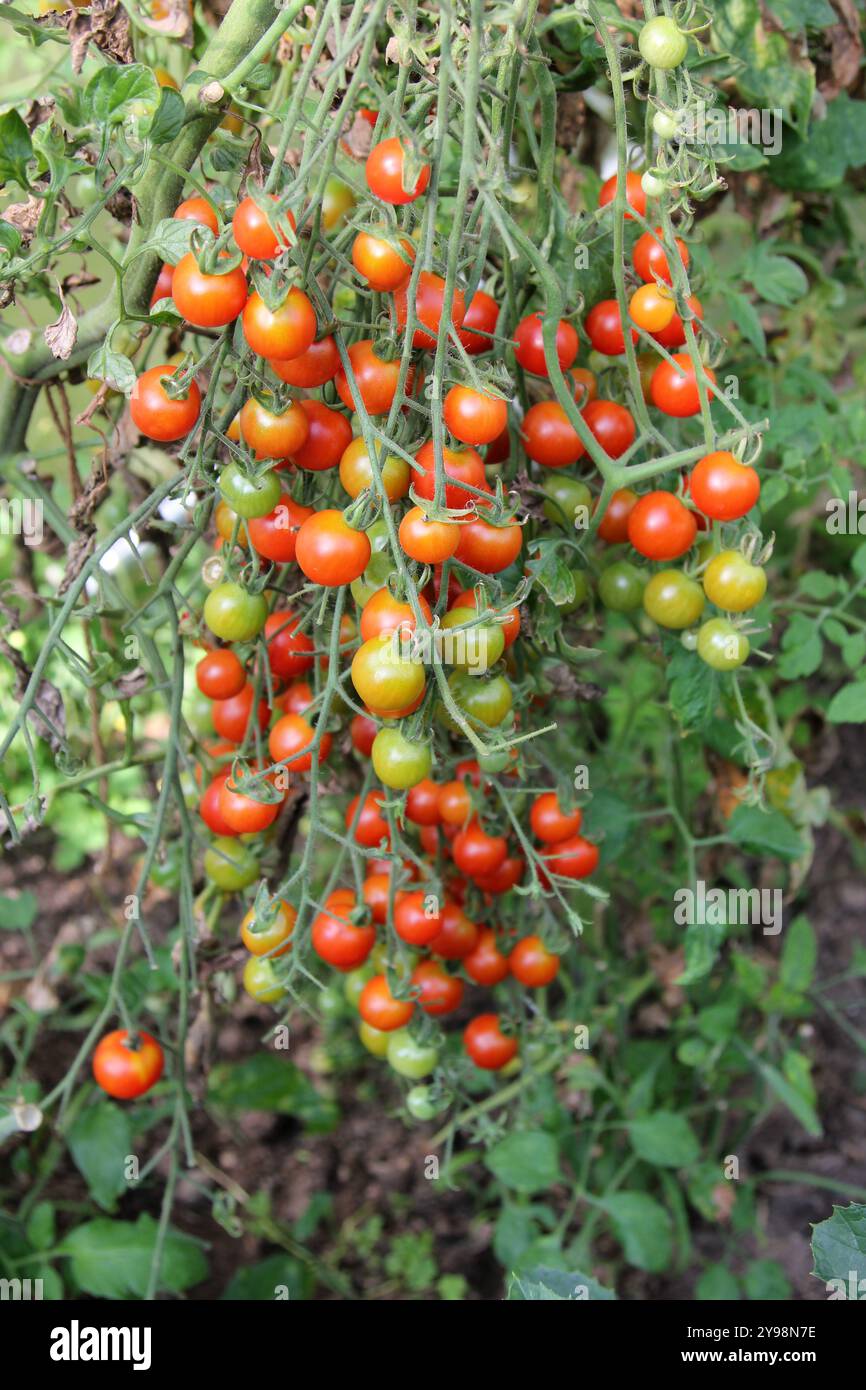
(722, 487)
(462, 465)
(604, 328)
(476, 852)
(572, 858)
(385, 172)
(232, 717)
(613, 526)
(162, 288)
(289, 740)
(330, 551)
(375, 379)
(336, 939)
(650, 259)
(271, 435)
(209, 806)
(529, 352)
(549, 822)
(488, 548)
(532, 964)
(378, 1007)
(422, 803)
(481, 317)
(474, 417)
(242, 813)
(290, 652)
(220, 674)
(275, 536)
(282, 333)
(379, 262)
(329, 435)
(384, 613)
(157, 414)
(458, 935)
(612, 425)
(363, 731)
(429, 303)
(127, 1065)
(207, 301)
(674, 386)
(428, 542)
(320, 363)
(634, 194)
(418, 918)
(372, 827)
(548, 436)
(661, 527)
(486, 1043)
(486, 965)
(254, 232)
(440, 992)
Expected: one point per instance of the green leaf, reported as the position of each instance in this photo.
(799, 955)
(795, 15)
(513, 1234)
(112, 1259)
(848, 705)
(115, 93)
(819, 158)
(19, 913)
(642, 1227)
(765, 832)
(277, 1277)
(839, 1244)
(541, 1284)
(818, 584)
(171, 237)
(100, 1142)
(799, 1107)
(665, 1139)
(717, 1284)
(16, 150)
(854, 651)
(693, 689)
(268, 1081)
(778, 279)
(41, 1225)
(168, 118)
(552, 573)
(802, 648)
(702, 945)
(771, 75)
(766, 1280)
(745, 316)
(112, 367)
(526, 1162)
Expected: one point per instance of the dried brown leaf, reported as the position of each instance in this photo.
(60, 335)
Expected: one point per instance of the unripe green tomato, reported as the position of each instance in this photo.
(486, 700)
(398, 762)
(477, 648)
(198, 713)
(495, 762)
(420, 1103)
(408, 1057)
(249, 496)
(230, 865)
(581, 592)
(261, 982)
(165, 871)
(721, 645)
(565, 496)
(662, 44)
(353, 985)
(376, 574)
(673, 600)
(330, 1002)
(233, 614)
(652, 185)
(621, 586)
(665, 125)
(374, 1039)
(689, 640)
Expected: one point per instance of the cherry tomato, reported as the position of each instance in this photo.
(197, 210)
(488, 548)
(220, 674)
(363, 730)
(621, 586)
(330, 434)
(613, 526)
(429, 303)
(409, 1058)
(585, 385)
(673, 600)
(529, 349)
(675, 334)
(475, 852)
(296, 698)
(372, 828)
(230, 865)
(549, 822)
(378, 1007)
(510, 624)
(384, 613)
(379, 262)
(385, 172)
(458, 934)
(532, 964)
(234, 615)
(662, 44)
(157, 414)
(273, 436)
(232, 717)
(275, 536)
(462, 465)
(374, 1041)
(249, 495)
(289, 740)
(721, 645)
(422, 803)
(565, 495)
(661, 527)
(207, 301)
(335, 937)
(634, 194)
(652, 307)
(486, 964)
(649, 257)
(356, 471)
(375, 379)
(440, 992)
(254, 232)
(506, 877)
(337, 202)
(548, 436)
(398, 761)
(481, 318)
(428, 542)
(261, 981)
(418, 918)
(486, 1043)
(572, 858)
(320, 363)
(674, 388)
(126, 1065)
(209, 806)
(483, 699)
(282, 333)
(454, 803)
(612, 425)
(273, 935)
(245, 815)
(290, 652)
(722, 487)
(733, 583)
(330, 551)
(162, 288)
(474, 417)
(386, 678)
(604, 328)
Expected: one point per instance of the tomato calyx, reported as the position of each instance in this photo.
(214, 255)
(177, 386)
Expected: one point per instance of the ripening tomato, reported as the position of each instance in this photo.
(335, 937)
(356, 471)
(400, 762)
(529, 344)
(458, 934)
(464, 466)
(375, 892)
(233, 614)
(232, 717)
(585, 385)
(652, 307)
(548, 436)
(454, 803)
(661, 527)
(634, 194)
(549, 822)
(732, 582)
(371, 828)
(126, 1065)
(475, 852)
(337, 202)
(612, 425)
(320, 363)
(386, 172)
(379, 262)
(722, 487)
(281, 333)
(376, 379)
(273, 436)
(386, 678)
(418, 917)
(613, 526)
(384, 613)
(428, 542)
(330, 434)
(673, 600)
(272, 934)
(220, 674)
(487, 1045)
(510, 623)
(207, 301)
(330, 551)
(230, 865)
(483, 699)
(489, 548)
(429, 304)
(162, 288)
(480, 319)
(209, 806)
(378, 1007)
(422, 803)
(721, 645)
(675, 334)
(649, 257)
(225, 521)
(255, 233)
(604, 328)
(572, 858)
(439, 992)
(474, 417)
(245, 815)
(275, 536)
(674, 386)
(197, 210)
(289, 743)
(290, 652)
(157, 414)
(532, 964)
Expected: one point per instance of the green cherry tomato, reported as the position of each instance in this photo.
(662, 44)
(665, 125)
(408, 1057)
(475, 649)
(689, 639)
(398, 762)
(721, 645)
(621, 587)
(353, 984)
(564, 496)
(233, 614)
(484, 700)
(421, 1104)
(249, 496)
(261, 982)
(165, 872)
(374, 1039)
(495, 762)
(673, 600)
(652, 185)
(230, 865)
(733, 583)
